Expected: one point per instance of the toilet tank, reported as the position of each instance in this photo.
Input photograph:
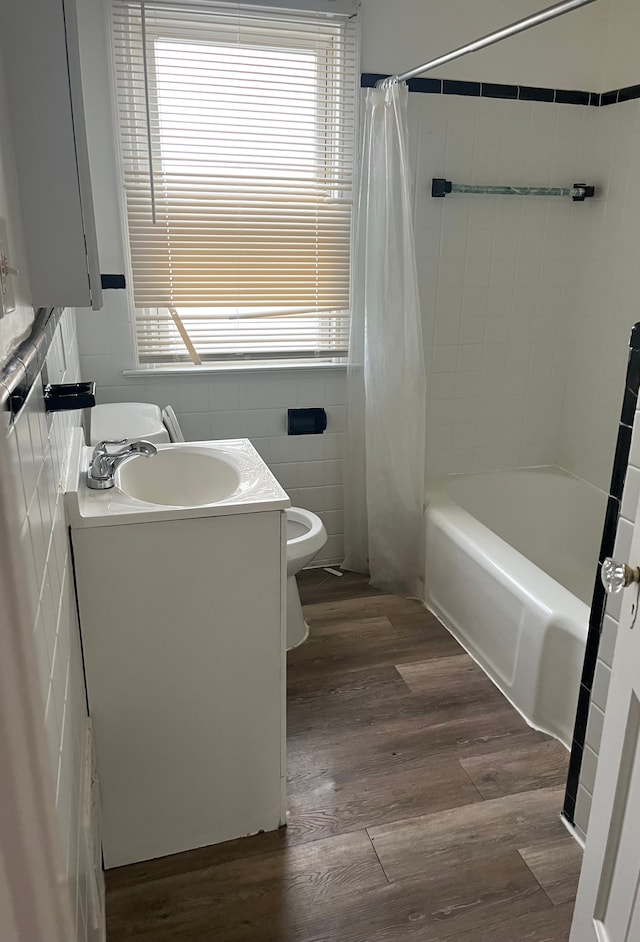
(133, 420)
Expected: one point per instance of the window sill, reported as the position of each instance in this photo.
(149, 372)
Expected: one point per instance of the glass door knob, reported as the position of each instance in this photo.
(617, 576)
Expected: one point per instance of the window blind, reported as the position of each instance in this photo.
(237, 136)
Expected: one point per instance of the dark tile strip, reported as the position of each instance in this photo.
(567, 97)
(610, 528)
(369, 79)
(564, 96)
(492, 90)
(596, 617)
(621, 457)
(630, 399)
(453, 87)
(425, 86)
(530, 93)
(629, 93)
(609, 98)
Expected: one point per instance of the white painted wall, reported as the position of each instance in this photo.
(565, 53)
(620, 53)
(15, 325)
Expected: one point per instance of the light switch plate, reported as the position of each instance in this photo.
(7, 292)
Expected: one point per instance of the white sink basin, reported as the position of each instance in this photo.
(187, 476)
(182, 481)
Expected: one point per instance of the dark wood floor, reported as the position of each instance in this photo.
(421, 806)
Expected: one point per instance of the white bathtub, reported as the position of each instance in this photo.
(510, 562)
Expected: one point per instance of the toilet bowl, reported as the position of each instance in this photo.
(306, 534)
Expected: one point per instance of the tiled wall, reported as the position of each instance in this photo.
(608, 292)
(38, 448)
(626, 508)
(244, 405)
(496, 276)
(608, 289)
(496, 283)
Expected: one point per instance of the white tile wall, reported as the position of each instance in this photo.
(496, 277)
(583, 810)
(604, 663)
(496, 282)
(607, 291)
(38, 446)
(234, 405)
(608, 287)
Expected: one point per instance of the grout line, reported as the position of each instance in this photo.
(482, 797)
(534, 876)
(386, 876)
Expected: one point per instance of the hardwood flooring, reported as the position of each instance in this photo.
(421, 806)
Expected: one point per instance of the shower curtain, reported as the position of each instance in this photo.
(384, 486)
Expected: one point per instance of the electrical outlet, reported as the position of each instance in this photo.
(7, 273)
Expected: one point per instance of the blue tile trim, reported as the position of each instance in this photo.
(598, 602)
(427, 86)
(369, 79)
(454, 87)
(609, 98)
(565, 96)
(493, 90)
(629, 93)
(529, 93)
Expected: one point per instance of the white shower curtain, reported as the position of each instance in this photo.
(384, 486)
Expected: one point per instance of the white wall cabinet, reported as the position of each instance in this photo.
(40, 54)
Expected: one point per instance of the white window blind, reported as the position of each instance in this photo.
(237, 135)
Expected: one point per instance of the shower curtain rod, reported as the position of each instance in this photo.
(550, 13)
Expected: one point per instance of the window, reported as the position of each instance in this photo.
(236, 133)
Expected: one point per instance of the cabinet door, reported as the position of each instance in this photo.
(40, 54)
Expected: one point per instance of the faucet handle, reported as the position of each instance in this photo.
(111, 441)
(101, 447)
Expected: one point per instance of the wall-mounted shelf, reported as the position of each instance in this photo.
(579, 192)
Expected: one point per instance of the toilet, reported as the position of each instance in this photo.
(306, 534)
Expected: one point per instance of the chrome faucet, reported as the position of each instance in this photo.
(103, 465)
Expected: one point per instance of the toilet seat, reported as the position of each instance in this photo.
(133, 420)
(306, 536)
(170, 420)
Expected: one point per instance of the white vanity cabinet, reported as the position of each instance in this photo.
(41, 58)
(183, 629)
